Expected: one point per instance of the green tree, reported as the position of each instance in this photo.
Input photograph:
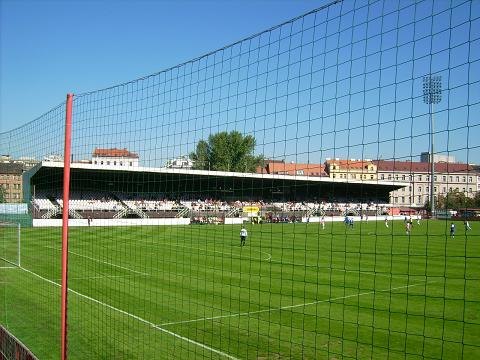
(455, 200)
(227, 152)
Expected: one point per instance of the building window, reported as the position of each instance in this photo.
(419, 189)
(108, 162)
(389, 176)
(371, 177)
(444, 189)
(434, 189)
(451, 178)
(426, 189)
(419, 199)
(419, 177)
(458, 178)
(333, 176)
(395, 200)
(403, 177)
(403, 199)
(444, 178)
(469, 179)
(435, 178)
(131, 164)
(470, 190)
(114, 163)
(464, 179)
(382, 176)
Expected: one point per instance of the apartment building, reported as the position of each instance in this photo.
(11, 181)
(416, 177)
(351, 169)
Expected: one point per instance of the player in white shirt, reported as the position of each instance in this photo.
(243, 236)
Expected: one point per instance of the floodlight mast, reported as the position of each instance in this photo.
(432, 94)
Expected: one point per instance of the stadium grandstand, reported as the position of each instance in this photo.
(184, 195)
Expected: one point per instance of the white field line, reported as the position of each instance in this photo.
(100, 261)
(8, 267)
(290, 306)
(138, 318)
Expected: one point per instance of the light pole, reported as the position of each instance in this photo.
(432, 94)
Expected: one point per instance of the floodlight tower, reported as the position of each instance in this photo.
(432, 94)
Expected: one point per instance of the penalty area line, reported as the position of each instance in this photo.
(138, 318)
(293, 306)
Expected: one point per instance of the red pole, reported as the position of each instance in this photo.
(66, 197)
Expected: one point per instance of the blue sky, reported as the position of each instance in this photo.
(344, 82)
(49, 48)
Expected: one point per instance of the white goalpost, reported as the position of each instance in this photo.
(10, 244)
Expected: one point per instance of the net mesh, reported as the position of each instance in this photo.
(305, 140)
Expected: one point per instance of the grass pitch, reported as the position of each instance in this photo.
(294, 291)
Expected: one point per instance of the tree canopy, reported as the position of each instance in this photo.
(456, 200)
(227, 151)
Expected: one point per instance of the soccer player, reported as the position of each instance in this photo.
(243, 236)
(408, 227)
(467, 226)
(452, 230)
(322, 221)
(386, 221)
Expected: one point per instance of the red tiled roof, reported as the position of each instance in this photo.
(349, 164)
(291, 169)
(114, 153)
(421, 167)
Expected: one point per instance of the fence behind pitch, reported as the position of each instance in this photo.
(344, 81)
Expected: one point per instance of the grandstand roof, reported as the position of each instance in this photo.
(422, 167)
(124, 153)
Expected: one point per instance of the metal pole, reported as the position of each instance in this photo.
(432, 164)
(66, 198)
(18, 244)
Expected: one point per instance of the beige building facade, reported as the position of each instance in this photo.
(351, 169)
(416, 178)
(11, 181)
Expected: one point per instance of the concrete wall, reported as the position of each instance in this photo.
(112, 222)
